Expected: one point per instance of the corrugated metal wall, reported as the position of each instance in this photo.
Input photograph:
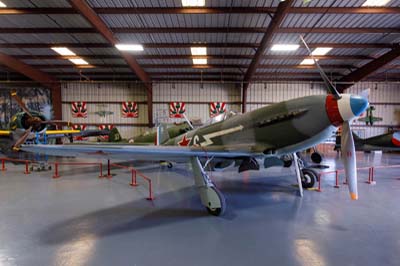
(385, 96)
(106, 97)
(197, 97)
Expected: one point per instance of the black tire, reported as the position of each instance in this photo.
(218, 211)
(316, 157)
(308, 178)
(170, 165)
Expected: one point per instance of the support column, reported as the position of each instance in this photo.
(150, 105)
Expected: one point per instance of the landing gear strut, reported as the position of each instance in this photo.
(306, 177)
(210, 196)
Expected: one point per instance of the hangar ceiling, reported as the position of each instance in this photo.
(238, 36)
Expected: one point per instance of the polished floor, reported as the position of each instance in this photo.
(80, 219)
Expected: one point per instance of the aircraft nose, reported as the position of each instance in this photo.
(346, 108)
(358, 104)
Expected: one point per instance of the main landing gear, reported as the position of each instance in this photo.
(211, 197)
(306, 177)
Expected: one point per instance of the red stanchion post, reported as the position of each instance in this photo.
(101, 170)
(336, 179)
(3, 164)
(319, 183)
(56, 170)
(150, 191)
(371, 180)
(133, 181)
(109, 169)
(27, 168)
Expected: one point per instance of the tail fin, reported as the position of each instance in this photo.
(162, 134)
(114, 135)
(356, 137)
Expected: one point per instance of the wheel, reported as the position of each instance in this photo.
(170, 165)
(308, 178)
(218, 211)
(316, 157)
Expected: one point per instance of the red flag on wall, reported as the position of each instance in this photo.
(176, 109)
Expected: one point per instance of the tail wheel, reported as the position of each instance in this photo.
(316, 157)
(308, 178)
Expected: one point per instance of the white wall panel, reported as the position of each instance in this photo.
(106, 97)
(196, 96)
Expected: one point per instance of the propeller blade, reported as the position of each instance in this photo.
(22, 139)
(331, 88)
(20, 103)
(349, 159)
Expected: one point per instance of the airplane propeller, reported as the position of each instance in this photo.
(34, 121)
(347, 146)
(22, 139)
(349, 159)
(331, 88)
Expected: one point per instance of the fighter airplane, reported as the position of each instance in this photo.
(369, 118)
(272, 131)
(384, 142)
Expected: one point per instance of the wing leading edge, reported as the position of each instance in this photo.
(131, 152)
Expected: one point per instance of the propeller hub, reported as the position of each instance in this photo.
(346, 108)
(396, 139)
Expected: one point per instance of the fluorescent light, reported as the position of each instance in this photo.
(78, 61)
(198, 50)
(193, 2)
(285, 47)
(375, 2)
(129, 47)
(63, 51)
(308, 62)
(200, 61)
(2, 4)
(321, 50)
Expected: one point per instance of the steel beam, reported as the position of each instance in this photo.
(188, 45)
(172, 57)
(206, 10)
(273, 26)
(146, 30)
(369, 68)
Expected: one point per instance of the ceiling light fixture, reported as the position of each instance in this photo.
(129, 47)
(200, 61)
(285, 47)
(64, 51)
(321, 50)
(193, 2)
(375, 2)
(78, 61)
(198, 50)
(308, 62)
(2, 4)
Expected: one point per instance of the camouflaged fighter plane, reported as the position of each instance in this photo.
(272, 131)
(384, 142)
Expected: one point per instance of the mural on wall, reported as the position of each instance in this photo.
(36, 99)
(130, 110)
(79, 109)
(79, 127)
(177, 109)
(105, 127)
(217, 108)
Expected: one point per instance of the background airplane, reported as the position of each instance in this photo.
(369, 118)
(384, 142)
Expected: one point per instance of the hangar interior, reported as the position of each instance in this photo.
(85, 62)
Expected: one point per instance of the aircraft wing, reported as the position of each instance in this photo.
(5, 132)
(132, 152)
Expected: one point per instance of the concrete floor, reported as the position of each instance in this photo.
(82, 220)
